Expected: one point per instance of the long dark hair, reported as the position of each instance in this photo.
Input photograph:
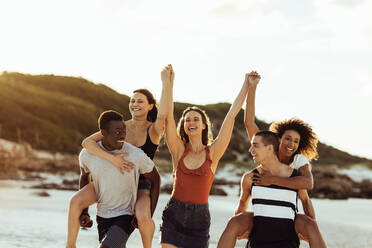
(153, 113)
(206, 133)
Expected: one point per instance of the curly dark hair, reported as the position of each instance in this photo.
(207, 136)
(153, 113)
(308, 141)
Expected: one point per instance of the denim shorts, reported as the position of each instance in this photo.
(185, 224)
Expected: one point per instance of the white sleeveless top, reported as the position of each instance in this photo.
(299, 160)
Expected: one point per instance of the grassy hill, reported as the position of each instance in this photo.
(55, 113)
(52, 112)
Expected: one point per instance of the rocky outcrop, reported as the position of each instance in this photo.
(42, 194)
(55, 186)
(328, 183)
(20, 157)
(222, 181)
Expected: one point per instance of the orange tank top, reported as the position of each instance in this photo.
(193, 185)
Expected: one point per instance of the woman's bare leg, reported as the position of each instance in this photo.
(308, 230)
(239, 226)
(167, 246)
(80, 200)
(146, 225)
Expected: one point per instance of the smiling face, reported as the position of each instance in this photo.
(259, 150)
(289, 143)
(139, 105)
(115, 134)
(193, 124)
(194, 121)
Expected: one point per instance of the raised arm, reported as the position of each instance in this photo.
(245, 193)
(305, 181)
(249, 115)
(174, 143)
(90, 143)
(157, 128)
(223, 138)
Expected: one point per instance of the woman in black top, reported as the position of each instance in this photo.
(144, 130)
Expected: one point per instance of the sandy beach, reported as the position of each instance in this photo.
(28, 220)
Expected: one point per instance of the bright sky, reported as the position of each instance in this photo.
(315, 57)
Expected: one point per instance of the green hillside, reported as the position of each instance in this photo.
(52, 112)
(55, 112)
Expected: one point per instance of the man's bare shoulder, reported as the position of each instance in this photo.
(247, 177)
(252, 171)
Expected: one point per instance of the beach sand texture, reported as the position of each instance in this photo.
(28, 220)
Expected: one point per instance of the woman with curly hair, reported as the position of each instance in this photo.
(298, 146)
(307, 140)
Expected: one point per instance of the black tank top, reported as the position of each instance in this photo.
(149, 148)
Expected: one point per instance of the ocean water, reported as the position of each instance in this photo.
(28, 220)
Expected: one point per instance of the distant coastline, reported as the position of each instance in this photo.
(44, 170)
(59, 111)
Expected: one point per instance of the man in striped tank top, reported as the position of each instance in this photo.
(274, 207)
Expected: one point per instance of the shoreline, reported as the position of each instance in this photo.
(30, 220)
(329, 182)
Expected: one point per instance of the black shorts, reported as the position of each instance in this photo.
(115, 230)
(185, 224)
(273, 233)
(282, 244)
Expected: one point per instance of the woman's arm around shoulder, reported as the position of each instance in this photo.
(90, 144)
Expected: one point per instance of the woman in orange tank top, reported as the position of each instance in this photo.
(195, 156)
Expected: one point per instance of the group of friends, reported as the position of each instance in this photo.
(118, 173)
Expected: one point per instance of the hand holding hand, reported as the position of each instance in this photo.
(172, 73)
(252, 78)
(166, 76)
(121, 164)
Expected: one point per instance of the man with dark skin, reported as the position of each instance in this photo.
(116, 193)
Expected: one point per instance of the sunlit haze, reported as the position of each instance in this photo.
(315, 57)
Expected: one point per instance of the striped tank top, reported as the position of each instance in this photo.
(274, 210)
